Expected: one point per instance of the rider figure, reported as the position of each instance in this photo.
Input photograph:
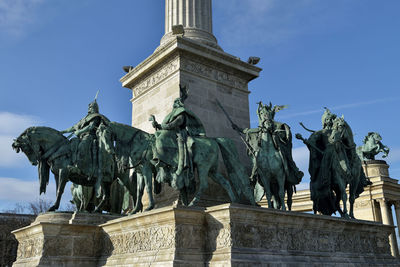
(282, 139)
(180, 124)
(86, 159)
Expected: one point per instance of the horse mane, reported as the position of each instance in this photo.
(42, 130)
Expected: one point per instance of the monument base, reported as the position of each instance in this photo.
(61, 239)
(224, 235)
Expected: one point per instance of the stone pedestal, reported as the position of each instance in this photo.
(224, 235)
(168, 236)
(210, 74)
(61, 239)
(374, 204)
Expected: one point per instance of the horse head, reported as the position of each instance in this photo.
(36, 141)
(24, 143)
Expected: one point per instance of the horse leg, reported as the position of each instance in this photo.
(106, 196)
(343, 193)
(281, 191)
(203, 184)
(289, 192)
(220, 179)
(337, 202)
(62, 177)
(139, 193)
(183, 194)
(129, 181)
(267, 188)
(147, 175)
(352, 197)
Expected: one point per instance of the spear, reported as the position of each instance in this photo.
(236, 128)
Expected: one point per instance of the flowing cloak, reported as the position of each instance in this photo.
(89, 118)
(86, 151)
(166, 148)
(193, 125)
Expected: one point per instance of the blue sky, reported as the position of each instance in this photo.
(56, 54)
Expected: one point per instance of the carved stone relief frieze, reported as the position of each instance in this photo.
(149, 239)
(30, 248)
(240, 235)
(213, 74)
(156, 76)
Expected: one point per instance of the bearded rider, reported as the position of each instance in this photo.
(175, 132)
(86, 159)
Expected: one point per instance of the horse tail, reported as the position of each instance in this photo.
(44, 173)
(236, 171)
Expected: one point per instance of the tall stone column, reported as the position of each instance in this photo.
(387, 219)
(196, 18)
(192, 57)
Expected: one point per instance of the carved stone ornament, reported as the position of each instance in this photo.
(156, 76)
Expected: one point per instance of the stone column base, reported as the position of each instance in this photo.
(224, 235)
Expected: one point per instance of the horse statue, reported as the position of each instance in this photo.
(334, 165)
(85, 199)
(51, 151)
(134, 148)
(372, 146)
(270, 148)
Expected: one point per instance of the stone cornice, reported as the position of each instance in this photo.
(181, 44)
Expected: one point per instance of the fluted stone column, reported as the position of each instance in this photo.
(387, 219)
(196, 18)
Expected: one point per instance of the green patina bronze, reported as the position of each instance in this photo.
(181, 148)
(334, 164)
(88, 159)
(105, 151)
(270, 148)
(85, 200)
(371, 147)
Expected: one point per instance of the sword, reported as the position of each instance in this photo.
(239, 132)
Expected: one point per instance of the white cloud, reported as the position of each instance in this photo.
(9, 158)
(16, 15)
(12, 125)
(13, 189)
(340, 107)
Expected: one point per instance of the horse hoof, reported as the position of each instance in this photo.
(149, 208)
(192, 204)
(52, 208)
(346, 216)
